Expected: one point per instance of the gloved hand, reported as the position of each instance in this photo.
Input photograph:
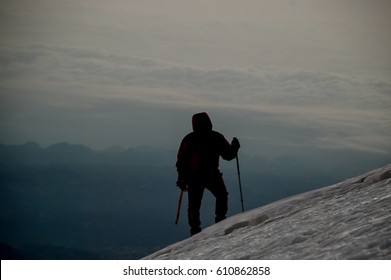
(235, 144)
(182, 185)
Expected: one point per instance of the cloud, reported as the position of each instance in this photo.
(272, 86)
(291, 106)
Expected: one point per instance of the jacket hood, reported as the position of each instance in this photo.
(201, 122)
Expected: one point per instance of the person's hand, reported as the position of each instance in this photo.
(235, 144)
(182, 185)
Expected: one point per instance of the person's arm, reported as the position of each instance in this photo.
(230, 151)
(182, 164)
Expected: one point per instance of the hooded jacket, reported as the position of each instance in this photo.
(200, 150)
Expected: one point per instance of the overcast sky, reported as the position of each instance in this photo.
(281, 75)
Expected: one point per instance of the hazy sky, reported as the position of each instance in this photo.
(281, 75)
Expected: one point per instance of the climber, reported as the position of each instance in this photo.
(198, 168)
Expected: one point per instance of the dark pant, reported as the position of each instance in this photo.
(215, 184)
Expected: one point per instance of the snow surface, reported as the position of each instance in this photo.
(349, 220)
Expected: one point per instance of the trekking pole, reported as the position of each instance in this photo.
(240, 183)
(179, 207)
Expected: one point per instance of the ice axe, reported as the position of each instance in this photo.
(179, 207)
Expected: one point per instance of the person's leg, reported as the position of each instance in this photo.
(195, 193)
(218, 189)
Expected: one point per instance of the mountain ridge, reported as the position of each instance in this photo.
(348, 220)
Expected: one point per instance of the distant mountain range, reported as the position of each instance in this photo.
(69, 201)
(32, 153)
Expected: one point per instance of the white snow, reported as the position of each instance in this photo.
(349, 220)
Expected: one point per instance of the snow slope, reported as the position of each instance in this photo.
(349, 220)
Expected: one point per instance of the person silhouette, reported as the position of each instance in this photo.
(198, 168)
